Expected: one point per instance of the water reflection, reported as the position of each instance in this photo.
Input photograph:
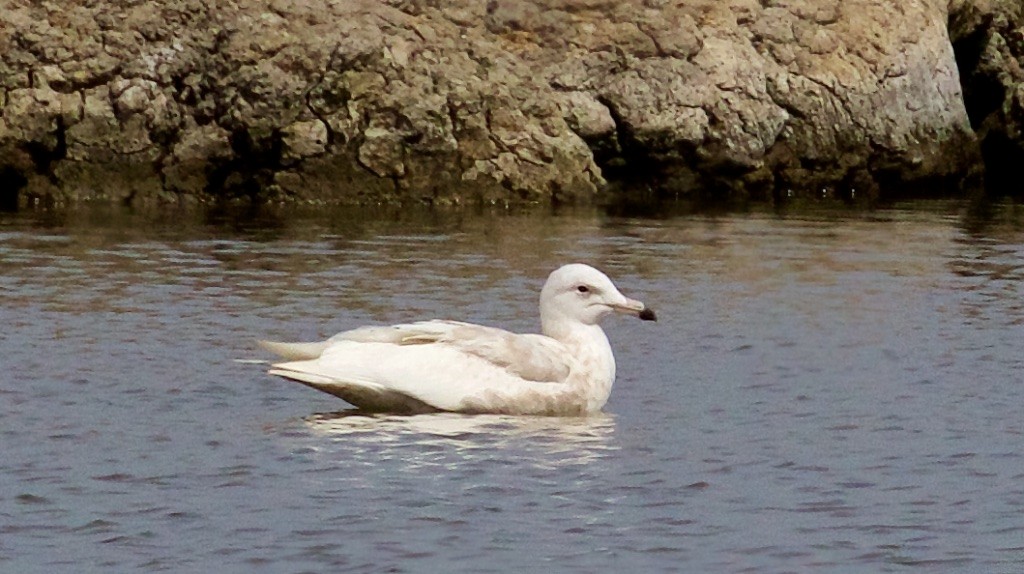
(989, 265)
(558, 440)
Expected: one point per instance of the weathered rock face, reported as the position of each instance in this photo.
(988, 38)
(510, 100)
(761, 97)
(297, 99)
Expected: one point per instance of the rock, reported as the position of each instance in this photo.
(989, 45)
(504, 101)
(587, 116)
(194, 157)
(381, 152)
(304, 139)
(872, 86)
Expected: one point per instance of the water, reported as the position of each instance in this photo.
(831, 392)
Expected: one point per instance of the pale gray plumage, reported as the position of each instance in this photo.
(453, 366)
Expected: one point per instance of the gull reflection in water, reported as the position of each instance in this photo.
(558, 440)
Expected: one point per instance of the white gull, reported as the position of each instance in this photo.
(431, 366)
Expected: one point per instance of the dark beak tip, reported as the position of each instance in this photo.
(648, 315)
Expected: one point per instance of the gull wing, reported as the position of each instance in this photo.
(532, 357)
(446, 365)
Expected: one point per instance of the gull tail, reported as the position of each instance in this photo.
(295, 351)
(312, 379)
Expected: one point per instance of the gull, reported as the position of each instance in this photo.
(440, 365)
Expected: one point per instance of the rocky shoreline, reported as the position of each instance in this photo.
(506, 101)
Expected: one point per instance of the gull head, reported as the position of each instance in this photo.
(579, 293)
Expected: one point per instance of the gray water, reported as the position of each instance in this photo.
(824, 392)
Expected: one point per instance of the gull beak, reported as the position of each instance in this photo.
(634, 307)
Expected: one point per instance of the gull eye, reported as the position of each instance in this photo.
(583, 289)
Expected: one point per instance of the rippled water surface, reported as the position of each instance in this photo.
(839, 392)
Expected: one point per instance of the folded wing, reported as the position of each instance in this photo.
(431, 365)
